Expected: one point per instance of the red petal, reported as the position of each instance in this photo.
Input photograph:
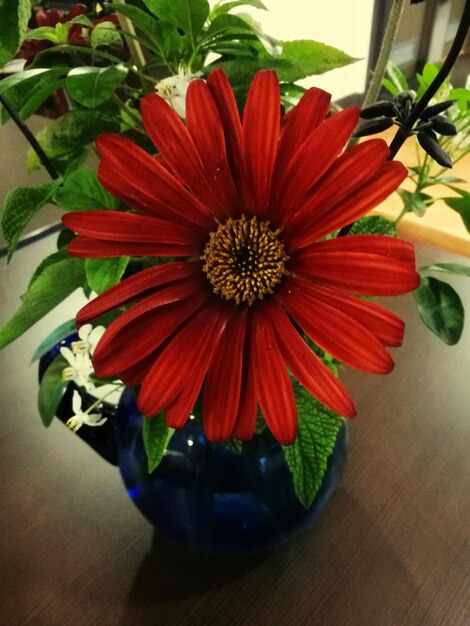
(351, 171)
(139, 331)
(261, 123)
(128, 227)
(223, 382)
(224, 99)
(185, 357)
(357, 204)
(136, 286)
(381, 322)
(309, 113)
(134, 375)
(311, 372)
(172, 139)
(139, 180)
(245, 421)
(386, 269)
(86, 247)
(273, 384)
(179, 410)
(205, 128)
(335, 332)
(312, 160)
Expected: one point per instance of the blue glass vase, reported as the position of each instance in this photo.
(214, 499)
(203, 494)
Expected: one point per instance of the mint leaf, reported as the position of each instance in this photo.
(307, 458)
(21, 204)
(50, 287)
(101, 274)
(440, 308)
(156, 436)
(51, 390)
(373, 225)
(81, 191)
(64, 139)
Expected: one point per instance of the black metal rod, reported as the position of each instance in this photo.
(29, 137)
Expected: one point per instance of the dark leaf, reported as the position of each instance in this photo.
(371, 127)
(462, 206)
(428, 141)
(435, 109)
(51, 390)
(56, 336)
(440, 308)
(443, 126)
(450, 268)
(382, 107)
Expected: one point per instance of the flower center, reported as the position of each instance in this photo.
(244, 260)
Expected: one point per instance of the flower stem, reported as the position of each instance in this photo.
(391, 30)
(42, 156)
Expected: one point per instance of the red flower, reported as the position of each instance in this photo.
(247, 209)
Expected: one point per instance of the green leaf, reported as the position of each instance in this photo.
(47, 33)
(430, 72)
(21, 204)
(156, 436)
(65, 138)
(396, 76)
(91, 86)
(51, 390)
(51, 286)
(462, 206)
(26, 91)
(55, 257)
(224, 23)
(307, 458)
(416, 202)
(450, 268)
(462, 95)
(390, 87)
(189, 15)
(105, 34)
(81, 191)
(440, 308)
(233, 445)
(14, 17)
(164, 38)
(297, 60)
(224, 7)
(373, 225)
(101, 274)
(55, 337)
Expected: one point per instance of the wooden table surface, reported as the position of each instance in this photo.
(392, 549)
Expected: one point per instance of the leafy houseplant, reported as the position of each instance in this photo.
(230, 275)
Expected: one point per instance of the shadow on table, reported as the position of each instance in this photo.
(333, 573)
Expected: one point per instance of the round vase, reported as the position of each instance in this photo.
(214, 499)
(205, 495)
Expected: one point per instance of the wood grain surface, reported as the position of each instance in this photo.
(392, 549)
